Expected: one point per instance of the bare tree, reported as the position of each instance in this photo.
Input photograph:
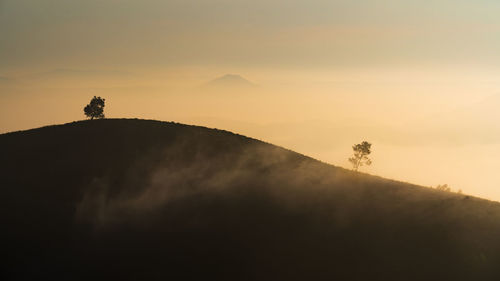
(360, 157)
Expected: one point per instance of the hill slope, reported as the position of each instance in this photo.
(148, 200)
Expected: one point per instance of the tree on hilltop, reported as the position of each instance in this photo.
(95, 109)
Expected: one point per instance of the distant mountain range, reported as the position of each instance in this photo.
(67, 73)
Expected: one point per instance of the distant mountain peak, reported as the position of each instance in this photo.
(231, 76)
(230, 80)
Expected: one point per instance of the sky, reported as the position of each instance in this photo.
(418, 79)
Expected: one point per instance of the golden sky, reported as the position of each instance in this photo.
(421, 80)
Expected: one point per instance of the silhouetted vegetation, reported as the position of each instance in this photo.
(151, 200)
(443, 187)
(446, 188)
(95, 109)
(360, 157)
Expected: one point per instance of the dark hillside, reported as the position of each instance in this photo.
(148, 200)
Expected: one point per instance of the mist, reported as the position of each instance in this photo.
(425, 126)
(158, 197)
(223, 152)
(418, 81)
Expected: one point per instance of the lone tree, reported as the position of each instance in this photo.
(360, 157)
(95, 109)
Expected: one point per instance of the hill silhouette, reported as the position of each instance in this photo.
(149, 200)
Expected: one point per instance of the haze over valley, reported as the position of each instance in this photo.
(426, 127)
(250, 140)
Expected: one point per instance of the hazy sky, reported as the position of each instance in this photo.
(271, 33)
(419, 79)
